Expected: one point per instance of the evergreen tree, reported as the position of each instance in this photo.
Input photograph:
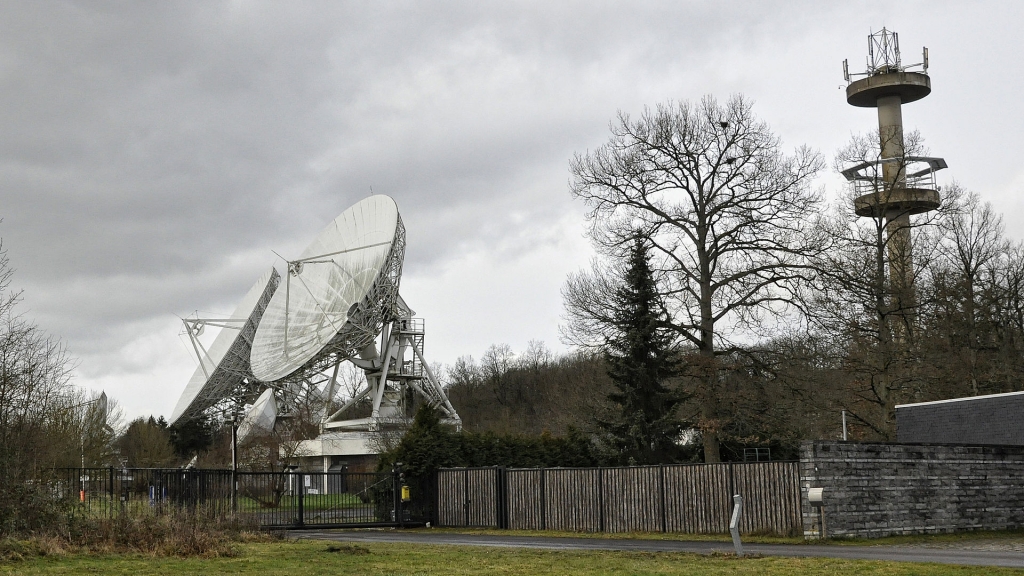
(641, 356)
(193, 436)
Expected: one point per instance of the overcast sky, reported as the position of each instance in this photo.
(154, 153)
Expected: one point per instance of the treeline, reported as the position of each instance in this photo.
(529, 393)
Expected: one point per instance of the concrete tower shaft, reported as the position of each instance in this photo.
(890, 135)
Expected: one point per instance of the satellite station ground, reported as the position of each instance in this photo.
(280, 352)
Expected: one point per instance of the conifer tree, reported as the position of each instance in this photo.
(641, 357)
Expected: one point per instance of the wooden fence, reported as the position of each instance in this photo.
(693, 498)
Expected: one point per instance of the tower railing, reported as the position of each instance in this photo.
(867, 177)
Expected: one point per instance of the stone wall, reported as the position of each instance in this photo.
(873, 490)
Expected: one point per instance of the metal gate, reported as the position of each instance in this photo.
(290, 499)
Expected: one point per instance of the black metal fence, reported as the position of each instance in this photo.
(271, 499)
(693, 498)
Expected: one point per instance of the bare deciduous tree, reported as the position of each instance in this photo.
(727, 214)
(40, 417)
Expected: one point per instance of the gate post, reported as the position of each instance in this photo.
(302, 493)
(501, 497)
(110, 500)
(396, 490)
(435, 512)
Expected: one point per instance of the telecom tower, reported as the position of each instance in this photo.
(894, 186)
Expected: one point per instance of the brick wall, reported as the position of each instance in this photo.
(876, 490)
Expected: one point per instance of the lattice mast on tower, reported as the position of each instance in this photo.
(895, 185)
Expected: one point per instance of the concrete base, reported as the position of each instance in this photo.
(353, 451)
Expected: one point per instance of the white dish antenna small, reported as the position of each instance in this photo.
(225, 365)
(260, 419)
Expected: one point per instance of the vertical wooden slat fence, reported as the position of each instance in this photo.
(571, 499)
(524, 499)
(468, 497)
(693, 498)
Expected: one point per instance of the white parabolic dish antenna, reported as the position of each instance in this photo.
(261, 417)
(337, 295)
(226, 364)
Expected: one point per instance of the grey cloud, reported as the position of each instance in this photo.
(153, 154)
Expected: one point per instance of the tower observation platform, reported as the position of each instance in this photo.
(894, 185)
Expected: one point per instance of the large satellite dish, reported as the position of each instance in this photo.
(337, 295)
(225, 365)
(339, 298)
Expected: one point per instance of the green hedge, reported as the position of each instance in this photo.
(430, 445)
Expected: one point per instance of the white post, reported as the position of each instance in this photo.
(844, 425)
(734, 525)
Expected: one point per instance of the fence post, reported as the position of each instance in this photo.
(499, 497)
(110, 500)
(302, 493)
(543, 499)
(661, 490)
(465, 493)
(396, 491)
(732, 483)
(600, 499)
(732, 480)
(435, 513)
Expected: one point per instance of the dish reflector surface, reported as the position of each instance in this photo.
(337, 294)
(261, 417)
(226, 363)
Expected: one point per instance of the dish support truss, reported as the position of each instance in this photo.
(389, 374)
(230, 383)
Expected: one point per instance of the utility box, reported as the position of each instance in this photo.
(816, 496)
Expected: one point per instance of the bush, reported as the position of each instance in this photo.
(430, 445)
(178, 533)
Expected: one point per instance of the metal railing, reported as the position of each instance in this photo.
(922, 181)
(289, 499)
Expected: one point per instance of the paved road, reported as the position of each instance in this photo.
(887, 553)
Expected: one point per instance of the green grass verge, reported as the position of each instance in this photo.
(1007, 535)
(101, 506)
(307, 558)
(674, 536)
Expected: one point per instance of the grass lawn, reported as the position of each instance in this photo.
(302, 558)
(931, 539)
